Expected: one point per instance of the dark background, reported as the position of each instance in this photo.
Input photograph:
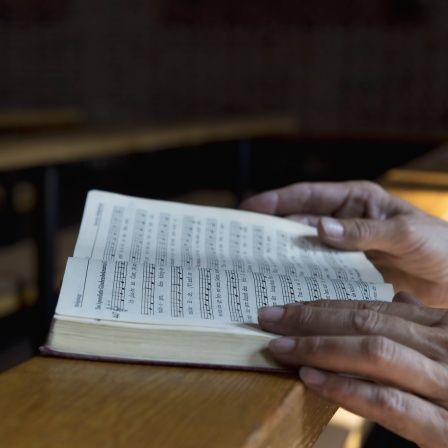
(366, 80)
(373, 66)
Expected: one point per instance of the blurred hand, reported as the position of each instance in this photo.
(387, 362)
(407, 245)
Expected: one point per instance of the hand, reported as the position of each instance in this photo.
(408, 246)
(399, 348)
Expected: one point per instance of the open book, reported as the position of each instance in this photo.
(162, 282)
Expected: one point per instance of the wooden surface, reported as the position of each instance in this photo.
(422, 181)
(424, 189)
(49, 402)
(25, 120)
(53, 149)
(434, 161)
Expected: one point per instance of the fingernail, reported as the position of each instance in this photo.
(332, 227)
(312, 377)
(271, 313)
(282, 345)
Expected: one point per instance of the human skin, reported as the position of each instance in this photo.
(385, 361)
(407, 245)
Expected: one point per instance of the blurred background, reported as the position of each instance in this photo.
(365, 80)
(355, 66)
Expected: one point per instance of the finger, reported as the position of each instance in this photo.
(390, 236)
(351, 317)
(405, 414)
(397, 231)
(406, 297)
(376, 358)
(319, 198)
(422, 329)
(404, 306)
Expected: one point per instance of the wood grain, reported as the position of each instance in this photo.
(50, 402)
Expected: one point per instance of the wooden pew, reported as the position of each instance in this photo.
(82, 145)
(39, 119)
(423, 181)
(71, 403)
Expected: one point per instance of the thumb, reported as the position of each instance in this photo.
(351, 234)
(406, 297)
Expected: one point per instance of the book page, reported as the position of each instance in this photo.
(155, 293)
(123, 228)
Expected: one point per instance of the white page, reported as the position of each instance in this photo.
(142, 260)
(144, 292)
(123, 228)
